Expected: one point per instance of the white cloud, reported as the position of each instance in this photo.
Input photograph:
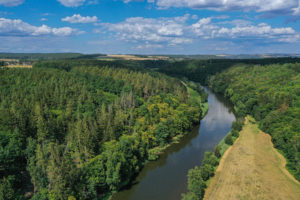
(77, 18)
(204, 28)
(160, 30)
(286, 7)
(72, 3)
(11, 2)
(177, 30)
(243, 29)
(150, 46)
(296, 10)
(43, 19)
(17, 27)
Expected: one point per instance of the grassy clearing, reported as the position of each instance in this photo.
(252, 169)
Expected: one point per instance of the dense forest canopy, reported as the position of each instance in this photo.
(271, 94)
(199, 70)
(85, 131)
(82, 128)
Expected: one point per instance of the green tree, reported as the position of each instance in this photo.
(228, 139)
(217, 152)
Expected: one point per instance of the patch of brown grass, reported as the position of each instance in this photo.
(19, 66)
(253, 169)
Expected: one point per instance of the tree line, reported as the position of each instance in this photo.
(270, 93)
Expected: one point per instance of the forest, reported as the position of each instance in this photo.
(82, 128)
(198, 70)
(271, 94)
(80, 132)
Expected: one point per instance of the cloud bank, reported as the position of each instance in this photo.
(11, 2)
(17, 27)
(177, 30)
(159, 30)
(281, 7)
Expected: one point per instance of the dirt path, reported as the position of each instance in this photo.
(253, 169)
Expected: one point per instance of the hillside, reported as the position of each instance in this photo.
(271, 94)
(252, 169)
(85, 132)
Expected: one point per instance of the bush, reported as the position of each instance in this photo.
(217, 152)
(206, 171)
(235, 133)
(153, 154)
(196, 184)
(210, 159)
(238, 124)
(228, 139)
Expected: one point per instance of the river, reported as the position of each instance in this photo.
(166, 178)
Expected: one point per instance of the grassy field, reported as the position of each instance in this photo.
(252, 169)
(19, 66)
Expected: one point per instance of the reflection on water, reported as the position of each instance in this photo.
(166, 178)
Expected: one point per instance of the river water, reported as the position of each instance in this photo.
(166, 178)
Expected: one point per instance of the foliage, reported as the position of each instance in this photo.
(217, 152)
(85, 131)
(200, 70)
(272, 95)
(228, 139)
(198, 176)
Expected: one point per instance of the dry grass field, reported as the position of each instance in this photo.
(19, 66)
(253, 169)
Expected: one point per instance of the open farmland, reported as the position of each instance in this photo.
(20, 66)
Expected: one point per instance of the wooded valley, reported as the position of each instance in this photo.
(85, 132)
(84, 128)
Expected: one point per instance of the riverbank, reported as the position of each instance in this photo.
(195, 99)
(165, 178)
(252, 169)
(194, 96)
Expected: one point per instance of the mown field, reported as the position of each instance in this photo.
(19, 66)
(253, 169)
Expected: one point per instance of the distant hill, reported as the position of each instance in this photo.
(39, 56)
(59, 56)
(231, 56)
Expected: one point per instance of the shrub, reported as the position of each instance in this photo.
(217, 152)
(228, 139)
(206, 171)
(210, 159)
(235, 133)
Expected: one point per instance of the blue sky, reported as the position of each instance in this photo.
(150, 26)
